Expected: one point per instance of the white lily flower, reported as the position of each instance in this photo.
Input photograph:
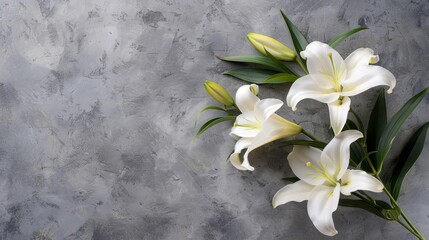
(323, 176)
(257, 125)
(333, 80)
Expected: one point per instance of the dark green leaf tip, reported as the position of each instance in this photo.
(341, 37)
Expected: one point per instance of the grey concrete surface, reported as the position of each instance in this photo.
(98, 100)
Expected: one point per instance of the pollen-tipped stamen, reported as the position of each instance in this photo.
(323, 172)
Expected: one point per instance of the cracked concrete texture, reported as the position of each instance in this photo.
(98, 100)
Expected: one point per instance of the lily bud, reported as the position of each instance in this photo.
(264, 43)
(218, 93)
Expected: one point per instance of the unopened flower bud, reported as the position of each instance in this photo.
(218, 93)
(264, 43)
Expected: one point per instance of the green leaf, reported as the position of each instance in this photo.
(387, 210)
(379, 208)
(291, 179)
(299, 41)
(205, 109)
(261, 60)
(213, 122)
(355, 155)
(281, 78)
(409, 155)
(394, 125)
(261, 76)
(252, 75)
(362, 205)
(309, 143)
(334, 41)
(376, 124)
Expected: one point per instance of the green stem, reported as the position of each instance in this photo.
(408, 228)
(411, 228)
(366, 157)
(393, 201)
(419, 234)
(309, 135)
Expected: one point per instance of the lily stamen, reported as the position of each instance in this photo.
(335, 76)
(323, 172)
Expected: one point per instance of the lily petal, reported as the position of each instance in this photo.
(323, 59)
(295, 192)
(266, 107)
(366, 77)
(254, 89)
(354, 180)
(360, 57)
(336, 155)
(322, 203)
(309, 86)
(277, 122)
(241, 144)
(235, 156)
(338, 111)
(245, 98)
(300, 161)
(246, 125)
(235, 160)
(245, 164)
(273, 129)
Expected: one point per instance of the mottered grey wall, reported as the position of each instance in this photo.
(97, 104)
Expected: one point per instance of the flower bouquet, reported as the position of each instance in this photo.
(343, 170)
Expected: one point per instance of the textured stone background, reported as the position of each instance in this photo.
(98, 100)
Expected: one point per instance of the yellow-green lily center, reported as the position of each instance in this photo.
(336, 74)
(321, 169)
(252, 123)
